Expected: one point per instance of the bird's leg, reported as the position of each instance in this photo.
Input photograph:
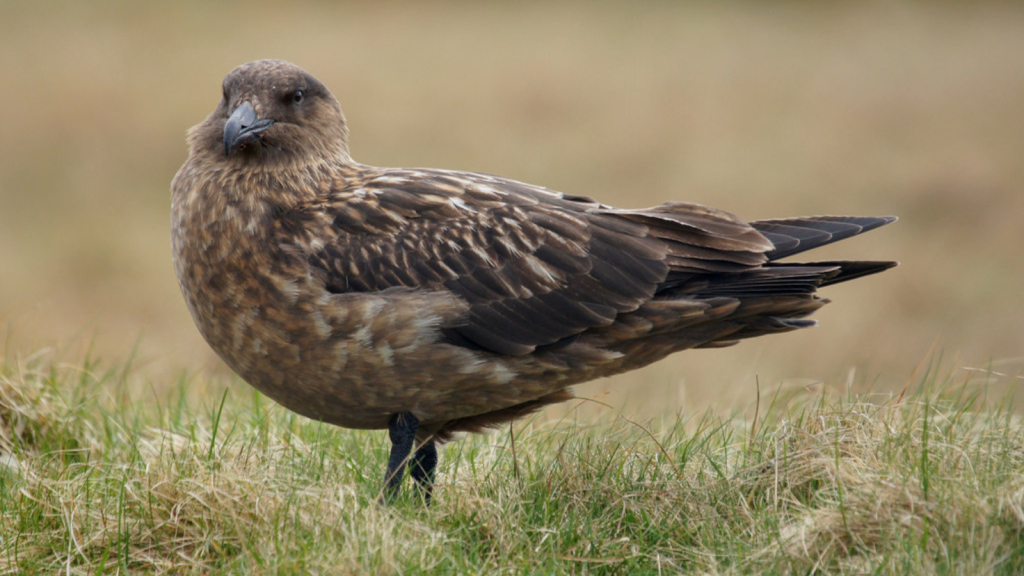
(402, 431)
(424, 463)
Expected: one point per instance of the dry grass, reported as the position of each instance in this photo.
(96, 480)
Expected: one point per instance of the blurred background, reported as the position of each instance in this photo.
(765, 109)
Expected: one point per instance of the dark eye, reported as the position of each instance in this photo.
(296, 97)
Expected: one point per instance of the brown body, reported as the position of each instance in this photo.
(349, 293)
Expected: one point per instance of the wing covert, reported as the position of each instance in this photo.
(535, 267)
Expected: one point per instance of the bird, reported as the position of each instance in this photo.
(431, 302)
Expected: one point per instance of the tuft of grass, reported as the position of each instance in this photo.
(96, 480)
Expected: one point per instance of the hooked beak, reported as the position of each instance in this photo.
(243, 126)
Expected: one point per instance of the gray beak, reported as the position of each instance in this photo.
(242, 127)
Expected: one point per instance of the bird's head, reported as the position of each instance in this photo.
(273, 113)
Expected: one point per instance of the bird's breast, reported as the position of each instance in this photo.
(350, 359)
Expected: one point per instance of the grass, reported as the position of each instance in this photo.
(95, 481)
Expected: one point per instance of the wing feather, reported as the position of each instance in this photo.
(536, 267)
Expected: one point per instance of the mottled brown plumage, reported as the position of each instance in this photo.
(358, 295)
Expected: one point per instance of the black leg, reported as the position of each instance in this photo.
(424, 463)
(402, 431)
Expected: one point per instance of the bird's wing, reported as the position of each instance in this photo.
(536, 267)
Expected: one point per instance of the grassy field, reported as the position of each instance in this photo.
(858, 456)
(97, 478)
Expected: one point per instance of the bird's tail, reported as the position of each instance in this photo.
(776, 296)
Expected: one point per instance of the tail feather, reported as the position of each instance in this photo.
(745, 302)
(848, 270)
(766, 281)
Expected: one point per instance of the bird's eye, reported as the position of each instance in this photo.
(296, 97)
